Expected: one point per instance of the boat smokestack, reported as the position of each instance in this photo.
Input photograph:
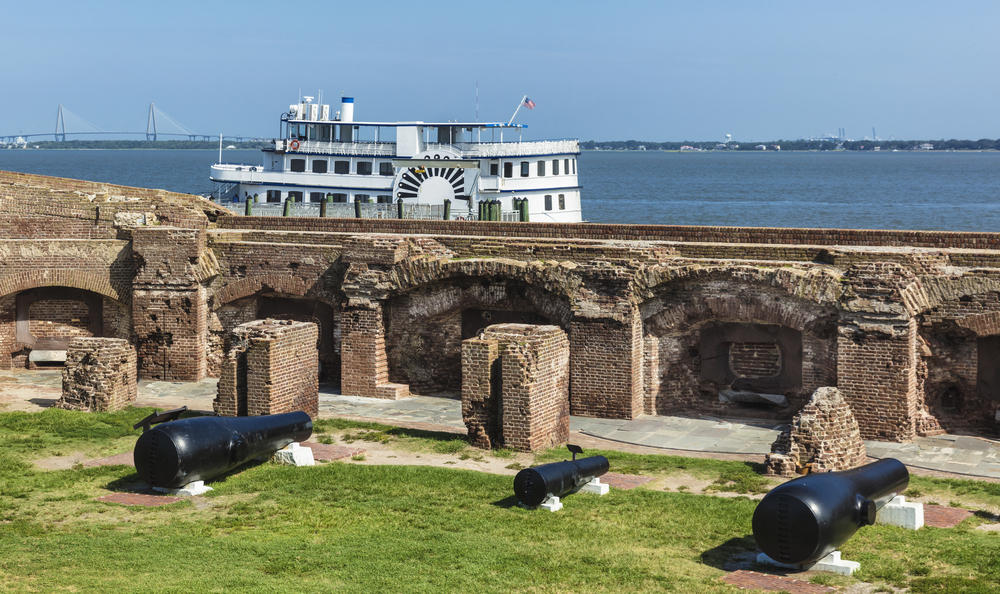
(347, 109)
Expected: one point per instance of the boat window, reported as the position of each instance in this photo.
(295, 197)
(298, 165)
(274, 195)
(312, 132)
(508, 170)
(548, 202)
(342, 167)
(566, 166)
(541, 168)
(494, 169)
(524, 168)
(315, 196)
(385, 168)
(555, 166)
(338, 197)
(383, 199)
(364, 168)
(361, 197)
(562, 202)
(324, 133)
(574, 166)
(319, 166)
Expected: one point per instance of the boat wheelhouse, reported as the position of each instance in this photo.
(336, 159)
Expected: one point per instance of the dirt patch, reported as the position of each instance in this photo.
(27, 398)
(62, 462)
(483, 461)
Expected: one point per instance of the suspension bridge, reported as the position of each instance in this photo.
(158, 123)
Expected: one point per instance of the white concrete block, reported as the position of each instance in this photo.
(47, 356)
(295, 455)
(902, 513)
(552, 504)
(832, 563)
(195, 488)
(595, 486)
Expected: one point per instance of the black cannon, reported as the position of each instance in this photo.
(807, 518)
(177, 453)
(534, 485)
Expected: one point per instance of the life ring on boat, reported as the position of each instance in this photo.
(294, 145)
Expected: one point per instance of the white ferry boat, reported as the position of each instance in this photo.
(338, 159)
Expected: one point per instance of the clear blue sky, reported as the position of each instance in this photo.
(654, 71)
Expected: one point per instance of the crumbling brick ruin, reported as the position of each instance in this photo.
(659, 319)
(271, 367)
(822, 437)
(515, 387)
(100, 375)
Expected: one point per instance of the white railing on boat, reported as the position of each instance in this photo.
(472, 150)
(344, 210)
(364, 149)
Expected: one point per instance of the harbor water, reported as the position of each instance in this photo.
(956, 191)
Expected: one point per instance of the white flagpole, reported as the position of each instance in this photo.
(517, 110)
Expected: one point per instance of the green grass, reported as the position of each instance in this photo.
(355, 528)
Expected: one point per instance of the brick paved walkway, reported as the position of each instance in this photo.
(750, 580)
(939, 516)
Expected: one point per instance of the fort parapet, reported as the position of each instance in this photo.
(659, 319)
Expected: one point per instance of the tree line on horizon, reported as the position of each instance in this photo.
(984, 144)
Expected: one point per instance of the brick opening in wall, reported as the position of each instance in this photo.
(755, 360)
(751, 358)
(47, 318)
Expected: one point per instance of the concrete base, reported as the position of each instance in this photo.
(295, 455)
(902, 513)
(595, 486)
(195, 488)
(552, 504)
(832, 563)
(47, 356)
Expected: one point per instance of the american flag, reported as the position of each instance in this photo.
(529, 103)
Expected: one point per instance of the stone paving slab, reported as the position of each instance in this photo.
(625, 481)
(752, 580)
(939, 516)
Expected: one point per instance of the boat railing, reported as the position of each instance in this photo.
(473, 150)
(345, 210)
(238, 167)
(363, 149)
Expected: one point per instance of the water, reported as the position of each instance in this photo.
(886, 190)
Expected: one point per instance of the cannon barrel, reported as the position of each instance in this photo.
(807, 518)
(534, 485)
(176, 453)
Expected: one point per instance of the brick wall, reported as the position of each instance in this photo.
(271, 367)
(515, 388)
(58, 318)
(100, 375)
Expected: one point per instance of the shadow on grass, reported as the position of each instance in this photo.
(506, 502)
(735, 553)
(133, 484)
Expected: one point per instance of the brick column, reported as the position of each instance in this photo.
(877, 374)
(606, 367)
(169, 310)
(271, 368)
(364, 369)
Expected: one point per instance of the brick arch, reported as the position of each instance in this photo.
(817, 285)
(245, 287)
(408, 275)
(984, 324)
(74, 279)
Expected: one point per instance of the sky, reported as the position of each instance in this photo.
(643, 70)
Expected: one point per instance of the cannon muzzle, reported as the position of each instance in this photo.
(176, 453)
(534, 485)
(807, 518)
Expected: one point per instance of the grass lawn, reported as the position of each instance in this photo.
(358, 528)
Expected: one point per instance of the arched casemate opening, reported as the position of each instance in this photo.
(425, 326)
(279, 307)
(734, 348)
(41, 322)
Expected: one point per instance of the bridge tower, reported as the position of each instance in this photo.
(60, 123)
(150, 123)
